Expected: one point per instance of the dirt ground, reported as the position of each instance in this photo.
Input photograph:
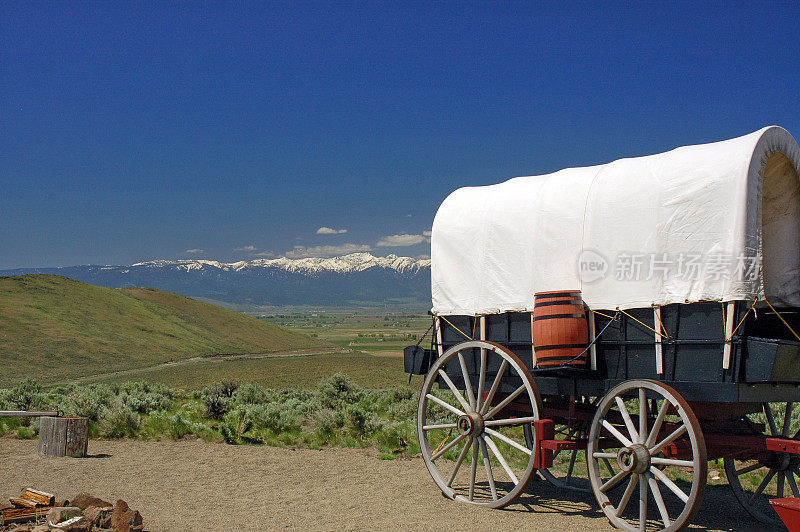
(193, 485)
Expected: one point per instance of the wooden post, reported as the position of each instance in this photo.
(533, 349)
(63, 436)
(593, 348)
(659, 347)
(439, 335)
(729, 319)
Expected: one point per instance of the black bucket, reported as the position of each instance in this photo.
(417, 360)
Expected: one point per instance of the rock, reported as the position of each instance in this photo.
(21, 528)
(100, 517)
(41, 528)
(62, 513)
(76, 524)
(84, 500)
(124, 519)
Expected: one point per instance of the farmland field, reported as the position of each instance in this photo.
(372, 348)
(373, 331)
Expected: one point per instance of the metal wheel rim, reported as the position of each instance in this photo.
(651, 481)
(756, 503)
(485, 442)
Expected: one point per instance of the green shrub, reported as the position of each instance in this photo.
(276, 417)
(338, 391)
(325, 424)
(228, 433)
(119, 421)
(25, 433)
(251, 393)
(25, 394)
(178, 427)
(88, 401)
(143, 397)
(217, 398)
(5, 400)
(361, 421)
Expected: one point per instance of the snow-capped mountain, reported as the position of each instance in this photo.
(337, 281)
(354, 262)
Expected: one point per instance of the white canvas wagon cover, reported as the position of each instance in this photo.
(717, 221)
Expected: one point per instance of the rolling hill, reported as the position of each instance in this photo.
(55, 328)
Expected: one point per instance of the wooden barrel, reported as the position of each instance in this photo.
(560, 331)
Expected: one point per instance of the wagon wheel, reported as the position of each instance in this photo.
(756, 479)
(637, 451)
(461, 417)
(574, 478)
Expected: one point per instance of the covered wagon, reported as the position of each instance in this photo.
(615, 327)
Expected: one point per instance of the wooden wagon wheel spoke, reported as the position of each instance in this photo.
(642, 415)
(677, 433)
(495, 385)
(793, 483)
(770, 419)
(613, 481)
(642, 505)
(495, 440)
(496, 452)
(459, 461)
(447, 447)
(508, 441)
(467, 381)
(617, 434)
(460, 398)
(656, 491)
(487, 464)
(662, 413)
(627, 494)
(756, 479)
(641, 461)
(444, 404)
(473, 471)
(439, 426)
(626, 417)
(509, 422)
(787, 419)
(481, 380)
(513, 395)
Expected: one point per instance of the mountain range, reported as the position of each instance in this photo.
(348, 280)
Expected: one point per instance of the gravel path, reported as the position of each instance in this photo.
(193, 485)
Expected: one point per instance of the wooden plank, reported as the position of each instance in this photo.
(47, 429)
(659, 347)
(20, 514)
(40, 497)
(439, 335)
(22, 503)
(533, 349)
(593, 348)
(77, 437)
(729, 319)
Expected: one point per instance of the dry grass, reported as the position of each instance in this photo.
(54, 328)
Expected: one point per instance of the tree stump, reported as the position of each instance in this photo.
(63, 436)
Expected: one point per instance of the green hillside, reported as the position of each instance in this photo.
(54, 328)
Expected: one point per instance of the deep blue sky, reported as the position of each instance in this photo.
(138, 131)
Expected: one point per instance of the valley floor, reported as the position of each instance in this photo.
(193, 485)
